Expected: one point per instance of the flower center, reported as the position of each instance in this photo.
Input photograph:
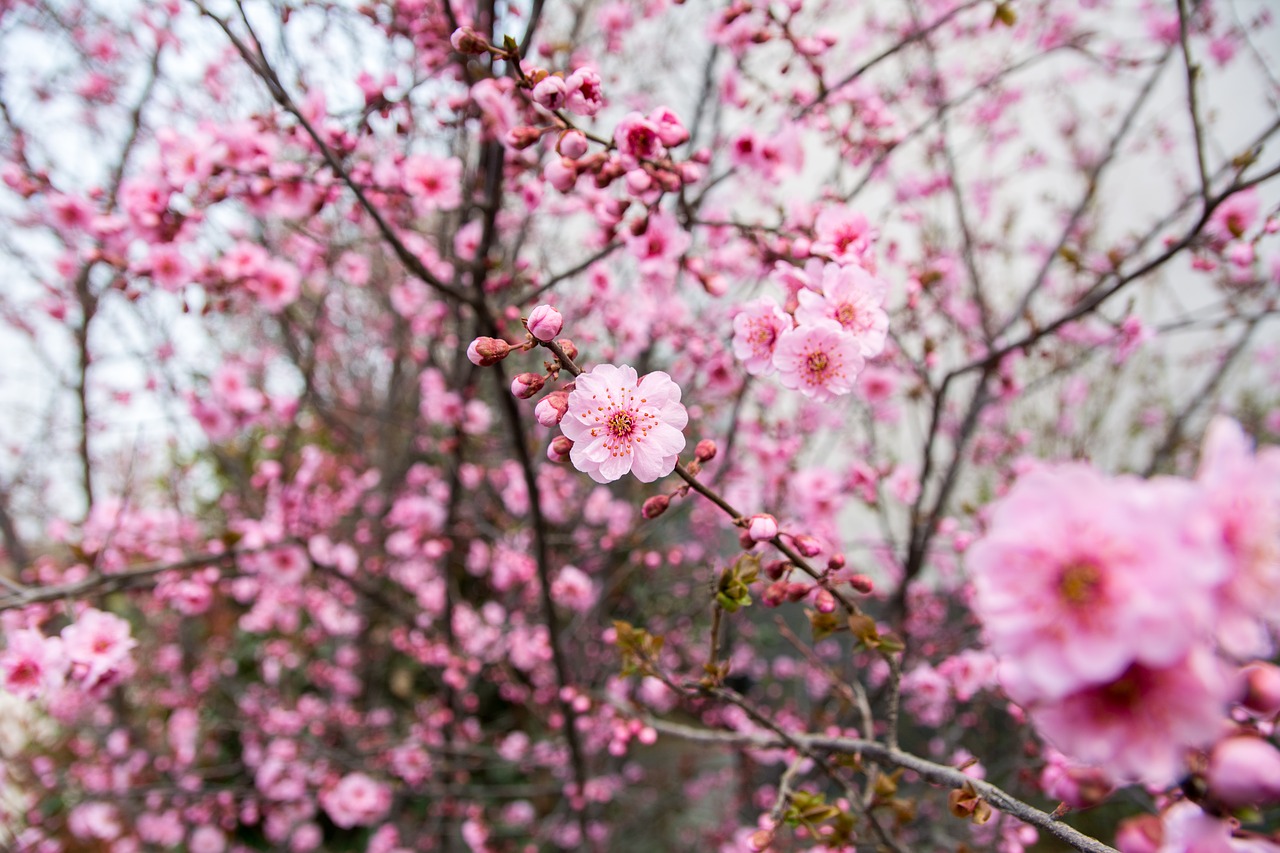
(817, 367)
(621, 424)
(1080, 583)
(846, 314)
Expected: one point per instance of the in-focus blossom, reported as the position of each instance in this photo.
(620, 422)
(583, 95)
(756, 329)
(819, 359)
(762, 527)
(852, 297)
(356, 800)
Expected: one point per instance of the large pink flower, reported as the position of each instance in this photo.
(820, 360)
(619, 422)
(1080, 576)
(1140, 725)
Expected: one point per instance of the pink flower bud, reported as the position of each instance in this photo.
(762, 527)
(551, 408)
(655, 506)
(572, 144)
(522, 137)
(797, 591)
(775, 593)
(569, 347)
(486, 351)
(1262, 688)
(544, 323)
(550, 92)
(862, 584)
(638, 181)
(1244, 771)
(824, 601)
(775, 569)
(835, 562)
(467, 40)
(525, 385)
(807, 545)
(558, 450)
(705, 451)
(561, 173)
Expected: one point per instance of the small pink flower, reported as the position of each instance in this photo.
(670, 129)
(561, 173)
(756, 329)
(844, 235)
(434, 183)
(852, 297)
(819, 359)
(574, 589)
(583, 95)
(545, 323)
(356, 800)
(550, 92)
(572, 144)
(637, 139)
(762, 527)
(620, 422)
(97, 644)
(32, 663)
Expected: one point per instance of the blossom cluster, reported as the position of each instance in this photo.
(91, 654)
(1118, 607)
(836, 319)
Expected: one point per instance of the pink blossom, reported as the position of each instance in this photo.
(574, 589)
(545, 323)
(844, 235)
(561, 173)
(98, 645)
(1231, 219)
(852, 297)
(550, 92)
(756, 329)
(276, 285)
(1185, 828)
(433, 182)
(622, 423)
(819, 359)
(1140, 725)
(762, 527)
(356, 800)
(671, 132)
(1079, 576)
(583, 94)
(637, 139)
(32, 663)
(572, 144)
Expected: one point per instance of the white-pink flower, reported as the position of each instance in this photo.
(756, 329)
(843, 235)
(852, 297)
(356, 800)
(620, 422)
(32, 663)
(820, 360)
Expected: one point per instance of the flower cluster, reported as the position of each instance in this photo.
(1114, 604)
(837, 322)
(92, 653)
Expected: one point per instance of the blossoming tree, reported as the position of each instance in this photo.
(639, 425)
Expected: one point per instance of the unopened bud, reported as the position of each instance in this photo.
(569, 347)
(762, 527)
(525, 385)
(824, 601)
(550, 92)
(551, 409)
(807, 545)
(775, 569)
(521, 138)
(705, 451)
(862, 584)
(655, 506)
(467, 40)
(1262, 688)
(796, 591)
(572, 144)
(558, 450)
(775, 593)
(835, 562)
(484, 352)
(544, 323)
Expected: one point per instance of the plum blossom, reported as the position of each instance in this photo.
(638, 139)
(843, 235)
(620, 422)
(98, 645)
(756, 329)
(433, 182)
(32, 663)
(583, 95)
(1072, 579)
(819, 359)
(545, 323)
(356, 800)
(852, 297)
